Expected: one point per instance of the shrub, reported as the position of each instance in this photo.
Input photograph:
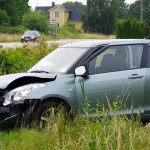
(128, 29)
(22, 59)
(4, 18)
(36, 20)
(68, 30)
(12, 30)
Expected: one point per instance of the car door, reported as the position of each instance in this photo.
(115, 80)
(147, 89)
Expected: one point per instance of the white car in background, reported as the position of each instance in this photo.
(30, 35)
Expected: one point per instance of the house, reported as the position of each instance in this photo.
(59, 14)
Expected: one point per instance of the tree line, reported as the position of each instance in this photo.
(16, 16)
(100, 16)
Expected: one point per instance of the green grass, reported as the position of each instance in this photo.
(17, 37)
(116, 133)
(9, 37)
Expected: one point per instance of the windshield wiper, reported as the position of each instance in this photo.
(39, 71)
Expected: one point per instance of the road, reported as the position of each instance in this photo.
(18, 44)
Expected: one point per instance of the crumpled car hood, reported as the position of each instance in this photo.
(10, 81)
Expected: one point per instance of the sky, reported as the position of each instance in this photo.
(34, 3)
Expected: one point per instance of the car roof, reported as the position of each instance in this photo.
(32, 31)
(93, 43)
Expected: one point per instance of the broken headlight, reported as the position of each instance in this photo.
(18, 95)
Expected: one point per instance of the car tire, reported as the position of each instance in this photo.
(37, 40)
(34, 41)
(27, 117)
(47, 113)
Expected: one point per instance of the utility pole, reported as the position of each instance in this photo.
(141, 10)
(37, 2)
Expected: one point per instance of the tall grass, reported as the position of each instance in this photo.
(64, 35)
(9, 37)
(97, 36)
(17, 37)
(110, 133)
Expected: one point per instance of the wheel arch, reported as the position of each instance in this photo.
(31, 106)
(34, 103)
(58, 100)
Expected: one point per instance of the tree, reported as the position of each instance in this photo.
(122, 9)
(36, 20)
(99, 16)
(4, 18)
(146, 11)
(134, 10)
(15, 9)
(76, 3)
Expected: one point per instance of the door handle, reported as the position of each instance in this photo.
(135, 76)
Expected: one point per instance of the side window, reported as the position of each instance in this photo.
(117, 58)
(148, 59)
(136, 58)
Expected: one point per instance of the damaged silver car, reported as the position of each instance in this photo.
(106, 67)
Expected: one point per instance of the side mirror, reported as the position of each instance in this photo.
(80, 71)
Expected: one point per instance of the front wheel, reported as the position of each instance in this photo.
(22, 40)
(48, 112)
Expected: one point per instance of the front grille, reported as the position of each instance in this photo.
(27, 38)
(1, 99)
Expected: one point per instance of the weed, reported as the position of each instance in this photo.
(22, 59)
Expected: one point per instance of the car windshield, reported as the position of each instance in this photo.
(29, 33)
(58, 61)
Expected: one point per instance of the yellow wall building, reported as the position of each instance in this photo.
(59, 15)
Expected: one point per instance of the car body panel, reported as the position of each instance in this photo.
(9, 123)
(94, 43)
(14, 80)
(147, 93)
(106, 88)
(63, 87)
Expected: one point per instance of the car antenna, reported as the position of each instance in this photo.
(147, 37)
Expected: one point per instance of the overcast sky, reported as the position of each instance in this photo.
(34, 3)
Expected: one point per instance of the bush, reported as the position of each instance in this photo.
(36, 20)
(4, 18)
(68, 30)
(12, 30)
(22, 59)
(132, 29)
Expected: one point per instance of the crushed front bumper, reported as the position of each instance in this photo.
(9, 123)
(9, 117)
